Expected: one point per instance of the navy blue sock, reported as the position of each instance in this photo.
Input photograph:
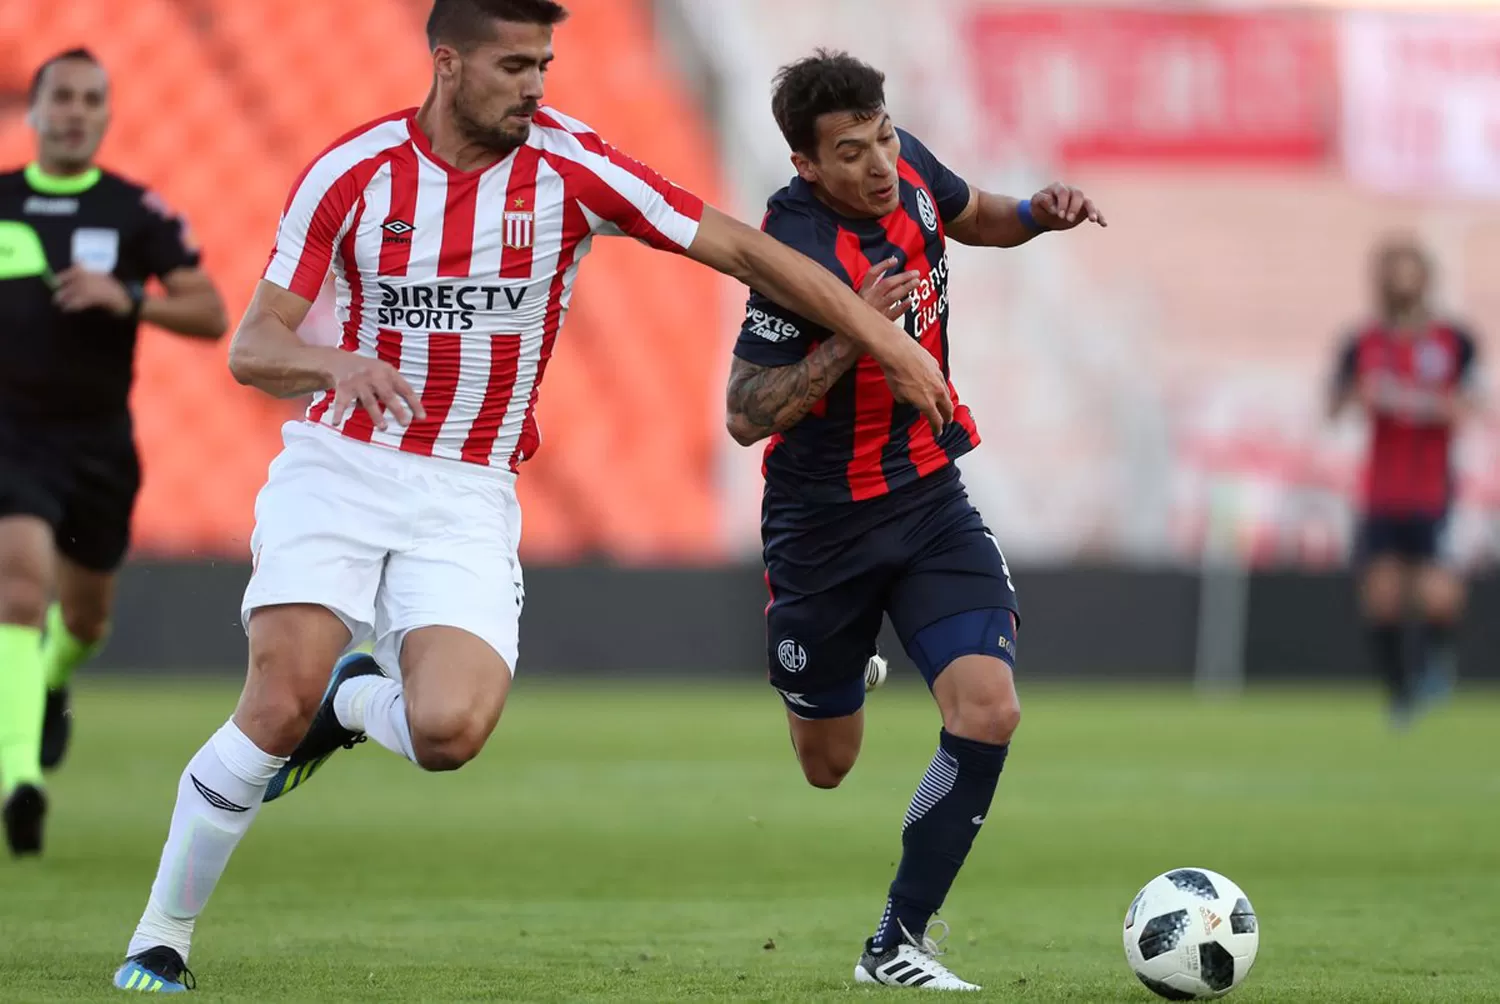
(1388, 643)
(944, 817)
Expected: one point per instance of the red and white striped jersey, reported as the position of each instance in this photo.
(461, 279)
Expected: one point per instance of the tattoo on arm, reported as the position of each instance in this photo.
(765, 400)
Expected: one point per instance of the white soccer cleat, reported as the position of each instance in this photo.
(912, 964)
(875, 671)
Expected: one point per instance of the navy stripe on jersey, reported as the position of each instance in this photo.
(860, 443)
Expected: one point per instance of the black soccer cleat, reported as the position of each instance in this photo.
(325, 736)
(57, 728)
(25, 811)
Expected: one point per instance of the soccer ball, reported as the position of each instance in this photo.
(1191, 934)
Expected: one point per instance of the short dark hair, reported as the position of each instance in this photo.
(465, 23)
(827, 81)
(78, 53)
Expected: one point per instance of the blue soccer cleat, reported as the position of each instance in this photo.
(326, 736)
(158, 970)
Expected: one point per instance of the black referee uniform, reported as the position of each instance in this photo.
(67, 450)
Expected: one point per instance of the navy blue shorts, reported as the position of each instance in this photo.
(920, 554)
(1422, 539)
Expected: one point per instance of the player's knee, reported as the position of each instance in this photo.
(282, 694)
(988, 715)
(827, 768)
(23, 599)
(446, 739)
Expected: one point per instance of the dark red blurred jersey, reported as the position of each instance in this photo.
(1409, 470)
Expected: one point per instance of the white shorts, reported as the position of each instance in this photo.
(388, 541)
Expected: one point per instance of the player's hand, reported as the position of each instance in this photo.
(1062, 207)
(889, 294)
(375, 386)
(79, 289)
(915, 378)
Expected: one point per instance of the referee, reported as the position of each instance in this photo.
(77, 245)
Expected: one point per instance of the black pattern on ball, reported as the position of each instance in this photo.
(1242, 920)
(1168, 991)
(1216, 966)
(1162, 934)
(1194, 882)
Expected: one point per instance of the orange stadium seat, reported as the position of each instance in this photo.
(220, 104)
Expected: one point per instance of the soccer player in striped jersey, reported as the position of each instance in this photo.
(1413, 373)
(864, 511)
(454, 233)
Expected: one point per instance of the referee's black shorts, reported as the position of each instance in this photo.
(80, 476)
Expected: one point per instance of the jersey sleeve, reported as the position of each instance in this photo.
(318, 211)
(772, 335)
(167, 244)
(951, 192)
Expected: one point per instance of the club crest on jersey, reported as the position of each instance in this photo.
(520, 228)
(926, 210)
(1432, 362)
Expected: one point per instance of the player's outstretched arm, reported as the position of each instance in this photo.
(269, 355)
(999, 221)
(765, 400)
(801, 284)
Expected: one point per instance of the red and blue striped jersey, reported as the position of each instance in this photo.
(858, 442)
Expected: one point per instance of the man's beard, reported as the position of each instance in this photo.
(492, 137)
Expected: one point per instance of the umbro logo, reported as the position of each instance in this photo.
(215, 799)
(397, 227)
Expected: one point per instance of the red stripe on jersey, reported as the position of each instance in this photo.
(444, 362)
(520, 197)
(575, 229)
(505, 358)
(680, 199)
(350, 340)
(901, 230)
(342, 197)
(395, 247)
(388, 349)
(911, 174)
(604, 201)
(873, 402)
(457, 253)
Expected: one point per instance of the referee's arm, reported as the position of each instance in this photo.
(190, 307)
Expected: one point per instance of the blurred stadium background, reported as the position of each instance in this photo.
(1157, 464)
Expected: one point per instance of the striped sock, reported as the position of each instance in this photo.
(944, 817)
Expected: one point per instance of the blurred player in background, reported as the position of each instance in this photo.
(77, 246)
(1412, 373)
(864, 511)
(454, 232)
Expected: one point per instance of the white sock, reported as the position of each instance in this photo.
(376, 706)
(217, 798)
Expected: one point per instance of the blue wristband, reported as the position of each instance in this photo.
(1023, 210)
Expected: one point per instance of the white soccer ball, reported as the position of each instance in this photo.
(1191, 934)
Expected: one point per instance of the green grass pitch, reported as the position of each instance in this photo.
(652, 843)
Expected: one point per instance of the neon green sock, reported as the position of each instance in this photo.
(23, 696)
(61, 652)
